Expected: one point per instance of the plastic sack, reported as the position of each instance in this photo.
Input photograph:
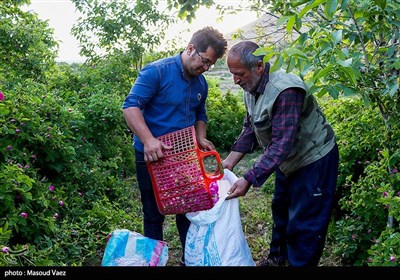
(215, 236)
(128, 248)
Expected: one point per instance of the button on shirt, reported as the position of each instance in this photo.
(168, 100)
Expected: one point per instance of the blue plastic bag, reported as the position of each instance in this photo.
(128, 248)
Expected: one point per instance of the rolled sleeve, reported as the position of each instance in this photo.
(146, 85)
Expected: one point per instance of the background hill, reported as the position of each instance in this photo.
(262, 30)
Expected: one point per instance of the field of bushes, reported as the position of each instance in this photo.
(67, 174)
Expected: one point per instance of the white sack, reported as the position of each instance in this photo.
(215, 236)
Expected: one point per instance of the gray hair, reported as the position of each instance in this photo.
(244, 50)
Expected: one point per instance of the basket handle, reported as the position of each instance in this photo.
(219, 171)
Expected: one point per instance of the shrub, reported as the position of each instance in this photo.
(226, 113)
(366, 189)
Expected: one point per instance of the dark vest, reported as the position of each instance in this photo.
(314, 137)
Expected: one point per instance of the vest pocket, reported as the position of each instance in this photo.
(263, 131)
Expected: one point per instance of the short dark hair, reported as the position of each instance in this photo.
(244, 50)
(209, 37)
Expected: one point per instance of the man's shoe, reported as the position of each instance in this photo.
(273, 262)
(182, 262)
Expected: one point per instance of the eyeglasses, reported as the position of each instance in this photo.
(205, 61)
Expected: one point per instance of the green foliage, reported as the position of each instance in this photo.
(81, 239)
(187, 9)
(364, 219)
(368, 197)
(341, 52)
(226, 113)
(48, 140)
(40, 124)
(357, 145)
(116, 72)
(386, 250)
(26, 255)
(27, 46)
(67, 176)
(113, 27)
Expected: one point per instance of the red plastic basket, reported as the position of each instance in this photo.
(180, 181)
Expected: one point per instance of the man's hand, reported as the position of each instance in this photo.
(239, 188)
(206, 145)
(153, 149)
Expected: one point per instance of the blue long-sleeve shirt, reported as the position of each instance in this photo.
(167, 99)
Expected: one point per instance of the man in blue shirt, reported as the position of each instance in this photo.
(168, 95)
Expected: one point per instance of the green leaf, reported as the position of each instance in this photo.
(330, 8)
(268, 57)
(291, 64)
(299, 23)
(281, 20)
(296, 52)
(346, 63)
(4, 111)
(263, 51)
(289, 26)
(393, 89)
(277, 64)
(333, 91)
(392, 161)
(358, 14)
(303, 66)
(302, 38)
(308, 7)
(345, 51)
(319, 91)
(349, 72)
(348, 91)
(343, 6)
(314, 89)
(385, 153)
(381, 3)
(337, 36)
(323, 73)
(266, 51)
